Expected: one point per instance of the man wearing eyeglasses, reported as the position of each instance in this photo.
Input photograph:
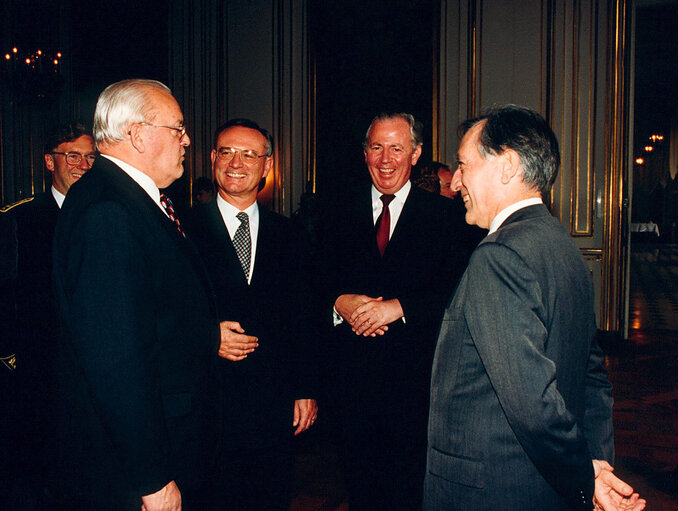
(258, 262)
(136, 395)
(69, 153)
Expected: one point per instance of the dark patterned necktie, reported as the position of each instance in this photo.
(384, 223)
(169, 209)
(243, 242)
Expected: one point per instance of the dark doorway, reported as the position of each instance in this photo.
(370, 56)
(654, 227)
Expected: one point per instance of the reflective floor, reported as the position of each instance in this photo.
(643, 371)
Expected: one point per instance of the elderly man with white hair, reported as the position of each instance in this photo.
(134, 404)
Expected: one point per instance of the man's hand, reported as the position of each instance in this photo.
(346, 305)
(375, 315)
(305, 414)
(611, 493)
(235, 345)
(167, 498)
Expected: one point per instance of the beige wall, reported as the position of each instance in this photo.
(566, 60)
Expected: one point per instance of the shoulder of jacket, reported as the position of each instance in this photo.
(9, 207)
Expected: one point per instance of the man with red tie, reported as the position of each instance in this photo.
(392, 272)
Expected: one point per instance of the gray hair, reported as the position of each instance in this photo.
(416, 128)
(527, 133)
(121, 104)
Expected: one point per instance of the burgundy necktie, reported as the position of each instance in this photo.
(169, 208)
(384, 223)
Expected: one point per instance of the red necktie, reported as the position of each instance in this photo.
(169, 208)
(384, 223)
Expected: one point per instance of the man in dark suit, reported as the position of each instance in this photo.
(521, 408)
(393, 268)
(136, 400)
(257, 261)
(29, 318)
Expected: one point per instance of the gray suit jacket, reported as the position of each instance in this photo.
(520, 401)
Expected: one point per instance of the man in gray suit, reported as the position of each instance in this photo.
(521, 408)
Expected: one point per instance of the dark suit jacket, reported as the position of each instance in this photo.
(28, 231)
(259, 391)
(28, 326)
(136, 396)
(420, 267)
(520, 401)
(35, 223)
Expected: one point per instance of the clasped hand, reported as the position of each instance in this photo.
(368, 316)
(235, 344)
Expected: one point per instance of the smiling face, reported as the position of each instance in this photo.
(63, 173)
(389, 155)
(478, 179)
(237, 180)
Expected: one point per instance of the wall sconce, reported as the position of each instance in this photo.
(649, 148)
(640, 161)
(656, 138)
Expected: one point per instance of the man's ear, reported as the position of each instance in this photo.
(510, 165)
(415, 155)
(136, 138)
(49, 162)
(268, 166)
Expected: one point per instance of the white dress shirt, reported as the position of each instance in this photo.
(394, 208)
(58, 197)
(228, 214)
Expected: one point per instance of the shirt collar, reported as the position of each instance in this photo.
(400, 195)
(508, 211)
(58, 196)
(143, 180)
(229, 210)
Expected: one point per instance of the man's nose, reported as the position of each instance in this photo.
(455, 185)
(236, 161)
(84, 164)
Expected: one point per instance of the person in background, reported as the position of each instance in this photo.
(203, 190)
(30, 316)
(427, 179)
(445, 179)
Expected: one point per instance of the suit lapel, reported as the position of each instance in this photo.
(268, 243)
(138, 196)
(406, 222)
(222, 239)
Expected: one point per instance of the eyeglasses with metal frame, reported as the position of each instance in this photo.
(181, 130)
(246, 155)
(76, 158)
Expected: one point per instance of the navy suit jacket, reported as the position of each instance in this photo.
(259, 391)
(136, 396)
(520, 401)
